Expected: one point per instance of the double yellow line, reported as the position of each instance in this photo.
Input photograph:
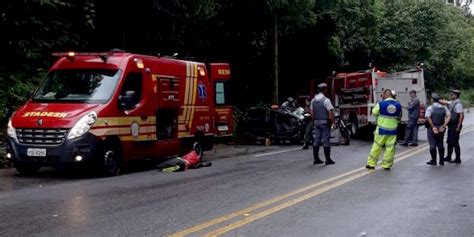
(260, 210)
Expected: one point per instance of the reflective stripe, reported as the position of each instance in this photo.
(388, 129)
(389, 117)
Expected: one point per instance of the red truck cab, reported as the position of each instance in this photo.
(109, 108)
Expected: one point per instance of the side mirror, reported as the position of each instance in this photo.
(31, 94)
(127, 101)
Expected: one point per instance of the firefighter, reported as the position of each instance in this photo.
(411, 131)
(454, 126)
(438, 117)
(388, 113)
(322, 112)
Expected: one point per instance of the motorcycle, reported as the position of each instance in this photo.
(339, 132)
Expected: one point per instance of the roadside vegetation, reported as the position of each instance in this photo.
(314, 38)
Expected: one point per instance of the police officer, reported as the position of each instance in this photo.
(454, 126)
(412, 126)
(322, 112)
(438, 117)
(388, 113)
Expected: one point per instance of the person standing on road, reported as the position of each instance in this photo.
(322, 112)
(437, 116)
(454, 126)
(387, 113)
(411, 132)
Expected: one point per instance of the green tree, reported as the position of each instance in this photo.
(34, 30)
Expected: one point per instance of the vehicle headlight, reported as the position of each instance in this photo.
(11, 130)
(83, 125)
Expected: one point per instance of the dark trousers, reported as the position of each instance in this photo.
(436, 141)
(453, 142)
(411, 133)
(322, 134)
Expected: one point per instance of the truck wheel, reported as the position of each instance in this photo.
(27, 170)
(110, 160)
(354, 126)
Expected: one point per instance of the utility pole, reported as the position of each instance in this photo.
(275, 60)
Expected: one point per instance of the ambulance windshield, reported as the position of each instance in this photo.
(78, 86)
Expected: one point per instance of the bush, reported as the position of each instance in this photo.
(467, 97)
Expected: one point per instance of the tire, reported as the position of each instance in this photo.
(110, 160)
(354, 126)
(27, 170)
(345, 134)
(401, 132)
(197, 147)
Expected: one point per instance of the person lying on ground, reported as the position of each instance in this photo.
(189, 161)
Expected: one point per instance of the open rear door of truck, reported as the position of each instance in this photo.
(403, 82)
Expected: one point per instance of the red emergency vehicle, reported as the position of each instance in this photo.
(354, 95)
(109, 108)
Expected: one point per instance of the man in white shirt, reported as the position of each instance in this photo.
(455, 125)
(322, 112)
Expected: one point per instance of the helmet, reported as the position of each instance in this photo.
(290, 99)
(394, 93)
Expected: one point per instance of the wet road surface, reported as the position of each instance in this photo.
(271, 193)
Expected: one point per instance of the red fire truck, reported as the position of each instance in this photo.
(109, 108)
(356, 93)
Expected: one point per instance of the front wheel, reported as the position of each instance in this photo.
(26, 170)
(346, 138)
(110, 160)
(197, 147)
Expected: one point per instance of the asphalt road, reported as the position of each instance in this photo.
(276, 192)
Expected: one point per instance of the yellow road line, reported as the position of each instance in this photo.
(299, 199)
(353, 175)
(266, 203)
(284, 205)
(258, 206)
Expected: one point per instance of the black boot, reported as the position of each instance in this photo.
(327, 154)
(450, 153)
(441, 155)
(433, 157)
(305, 146)
(457, 150)
(316, 155)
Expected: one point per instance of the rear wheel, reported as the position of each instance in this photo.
(354, 121)
(27, 170)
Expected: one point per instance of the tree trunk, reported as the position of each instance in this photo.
(275, 61)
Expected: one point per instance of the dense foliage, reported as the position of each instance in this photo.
(315, 38)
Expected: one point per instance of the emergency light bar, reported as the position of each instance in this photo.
(73, 54)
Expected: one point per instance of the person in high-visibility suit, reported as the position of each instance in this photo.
(388, 113)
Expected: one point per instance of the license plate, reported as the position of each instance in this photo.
(222, 128)
(36, 152)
